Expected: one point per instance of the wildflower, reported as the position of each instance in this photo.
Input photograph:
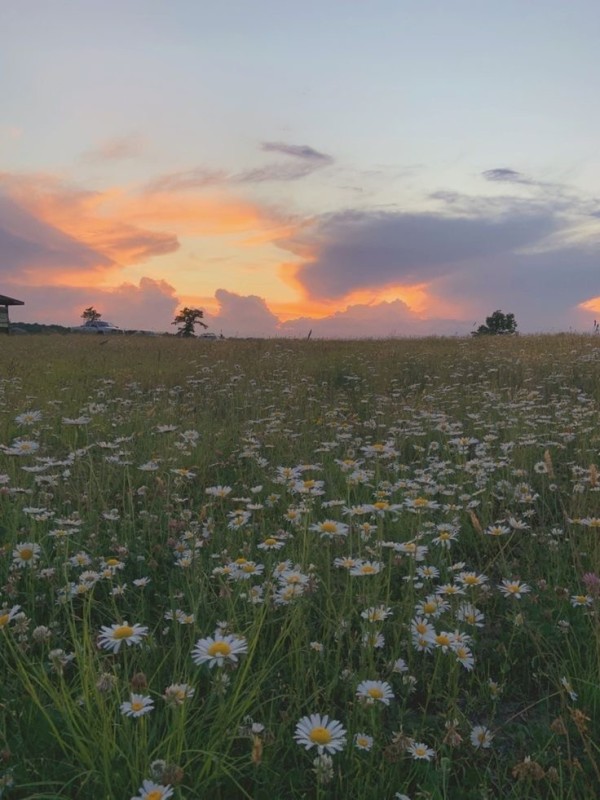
(420, 751)
(153, 791)
(323, 769)
(581, 600)
(464, 656)
(372, 692)
(111, 638)
(376, 613)
(22, 447)
(328, 736)
(569, 689)
(481, 737)
(513, 588)
(28, 417)
(362, 741)
(26, 554)
(219, 649)
(496, 530)
(329, 528)
(366, 568)
(219, 491)
(271, 543)
(373, 640)
(137, 706)
(470, 614)
(7, 615)
(177, 693)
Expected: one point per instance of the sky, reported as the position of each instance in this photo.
(350, 168)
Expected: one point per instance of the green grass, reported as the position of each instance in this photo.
(489, 434)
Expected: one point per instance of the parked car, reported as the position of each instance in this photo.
(211, 336)
(97, 326)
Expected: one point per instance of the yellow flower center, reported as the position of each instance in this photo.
(240, 560)
(328, 527)
(429, 608)
(248, 568)
(375, 692)
(123, 632)
(471, 580)
(420, 502)
(309, 484)
(270, 541)
(368, 569)
(320, 735)
(26, 553)
(442, 640)
(421, 628)
(155, 794)
(112, 562)
(381, 505)
(136, 705)
(4, 620)
(219, 648)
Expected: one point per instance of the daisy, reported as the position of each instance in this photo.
(372, 692)
(329, 528)
(328, 736)
(271, 543)
(362, 741)
(153, 791)
(22, 447)
(7, 615)
(137, 706)
(29, 417)
(420, 751)
(464, 656)
(376, 613)
(581, 600)
(111, 638)
(513, 588)
(219, 649)
(366, 568)
(177, 693)
(481, 737)
(26, 554)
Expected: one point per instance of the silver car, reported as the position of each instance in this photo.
(97, 326)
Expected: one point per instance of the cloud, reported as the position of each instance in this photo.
(32, 248)
(504, 175)
(151, 305)
(302, 151)
(117, 149)
(361, 320)
(355, 249)
(89, 228)
(306, 160)
(240, 315)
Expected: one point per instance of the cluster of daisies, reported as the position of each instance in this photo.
(402, 523)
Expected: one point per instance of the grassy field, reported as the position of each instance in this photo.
(282, 570)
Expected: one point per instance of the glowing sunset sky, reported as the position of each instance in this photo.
(354, 168)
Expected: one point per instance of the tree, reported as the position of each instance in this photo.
(187, 319)
(498, 324)
(90, 315)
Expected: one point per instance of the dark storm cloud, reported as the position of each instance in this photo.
(358, 249)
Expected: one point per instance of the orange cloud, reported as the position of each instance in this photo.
(592, 305)
(126, 227)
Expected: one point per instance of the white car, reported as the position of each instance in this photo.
(97, 326)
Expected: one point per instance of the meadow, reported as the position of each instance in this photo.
(284, 570)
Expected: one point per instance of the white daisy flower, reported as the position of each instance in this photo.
(328, 736)
(218, 650)
(111, 638)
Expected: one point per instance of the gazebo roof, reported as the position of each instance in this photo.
(10, 301)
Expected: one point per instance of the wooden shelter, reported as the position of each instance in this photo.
(5, 302)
